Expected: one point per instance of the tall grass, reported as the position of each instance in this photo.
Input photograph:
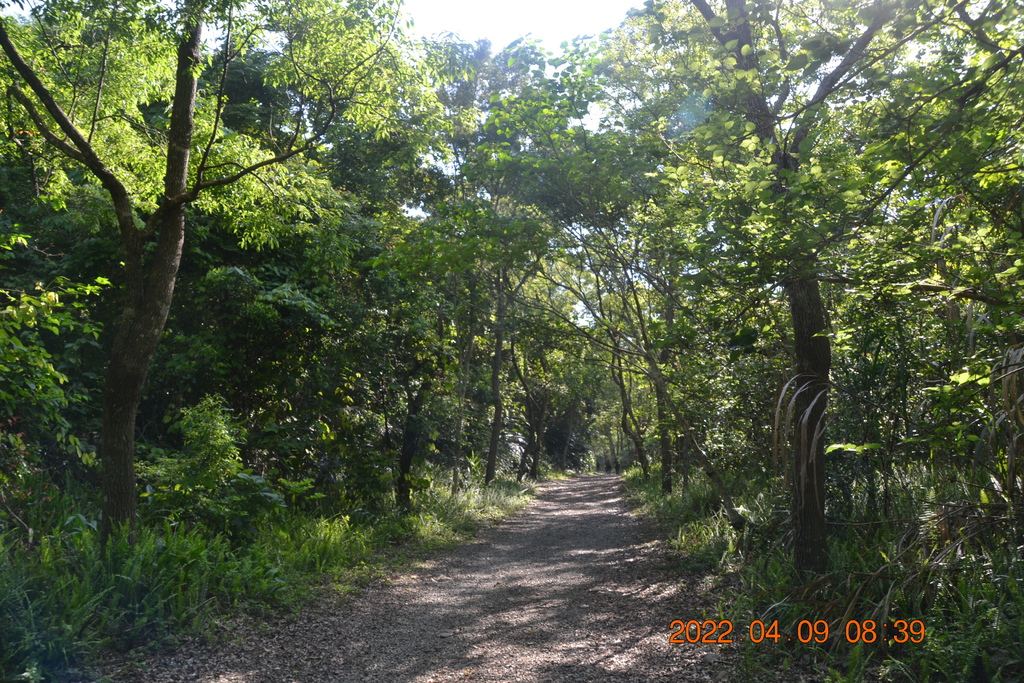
(63, 601)
(692, 518)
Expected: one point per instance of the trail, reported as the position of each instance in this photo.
(572, 589)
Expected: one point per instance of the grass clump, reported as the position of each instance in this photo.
(692, 519)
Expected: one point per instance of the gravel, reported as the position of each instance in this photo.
(575, 588)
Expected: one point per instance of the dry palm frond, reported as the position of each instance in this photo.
(787, 418)
(1007, 428)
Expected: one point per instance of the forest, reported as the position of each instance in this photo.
(281, 284)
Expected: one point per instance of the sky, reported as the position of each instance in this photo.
(502, 21)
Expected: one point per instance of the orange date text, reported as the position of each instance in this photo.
(724, 632)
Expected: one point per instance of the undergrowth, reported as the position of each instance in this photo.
(64, 601)
(951, 577)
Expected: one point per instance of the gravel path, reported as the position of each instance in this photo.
(572, 589)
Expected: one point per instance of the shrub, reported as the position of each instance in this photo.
(205, 484)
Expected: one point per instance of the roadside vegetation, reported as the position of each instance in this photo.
(957, 589)
(282, 285)
(67, 600)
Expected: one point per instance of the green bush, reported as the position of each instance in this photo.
(206, 484)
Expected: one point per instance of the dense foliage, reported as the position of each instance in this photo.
(273, 300)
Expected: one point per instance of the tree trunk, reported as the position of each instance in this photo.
(524, 458)
(612, 447)
(148, 303)
(813, 355)
(570, 428)
(498, 417)
(122, 391)
(411, 432)
(684, 462)
(664, 405)
(535, 402)
(630, 425)
(813, 363)
(134, 346)
(664, 438)
(464, 367)
(147, 300)
(530, 457)
(538, 443)
(736, 519)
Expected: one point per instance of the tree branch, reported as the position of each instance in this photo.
(87, 155)
(269, 161)
(201, 169)
(975, 28)
(829, 83)
(709, 15)
(963, 293)
(62, 145)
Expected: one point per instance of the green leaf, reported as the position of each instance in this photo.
(799, 61)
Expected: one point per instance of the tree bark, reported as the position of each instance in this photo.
(535, 402)
(736, 519)
(630, 425)
(570, 428)
(147, 300)
(683, 460)
(497, 420)
(664, 438)
(465, 358)
(813, 355)
(538, 428)
(664, 405)
(813, 364)
(148, 296)
(411, 432)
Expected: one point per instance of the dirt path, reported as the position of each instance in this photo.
(573, 589)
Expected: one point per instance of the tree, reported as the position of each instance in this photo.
(492, 238)
(782, 192)
(335, 61)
